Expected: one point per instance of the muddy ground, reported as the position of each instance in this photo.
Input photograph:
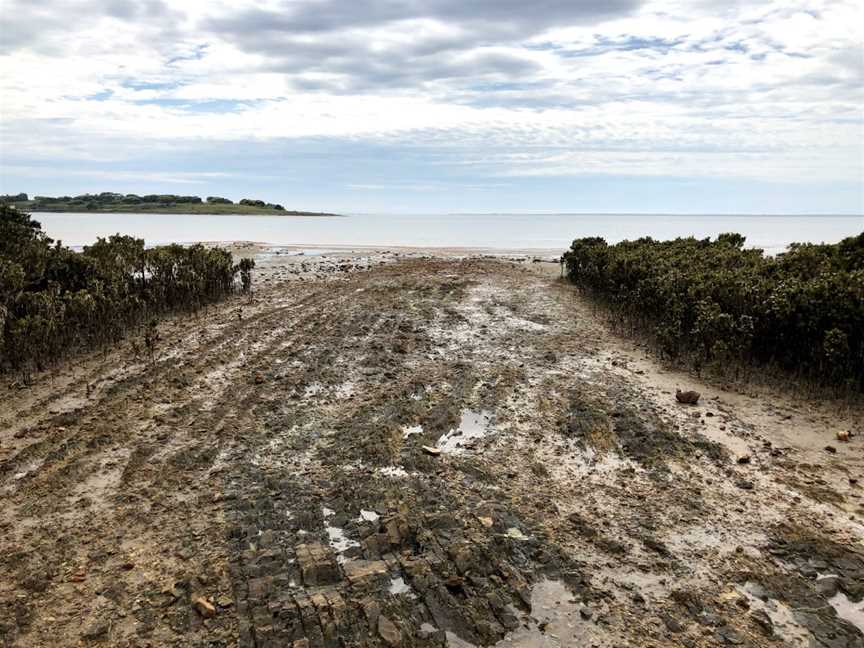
(262, 479)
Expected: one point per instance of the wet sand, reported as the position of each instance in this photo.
(421, 448)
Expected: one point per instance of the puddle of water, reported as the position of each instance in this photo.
(414, 429)
(338, 541)
(552, 606)
(399, 586)
(846, 609)
(786, 628)
(313, 252)
(473, 425)
(368, 516)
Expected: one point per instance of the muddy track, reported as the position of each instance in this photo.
(262, 481)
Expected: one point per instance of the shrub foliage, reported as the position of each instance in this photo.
(54, 300)
(717, 302)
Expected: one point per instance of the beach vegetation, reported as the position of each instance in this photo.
(55, 301)
(716, 303)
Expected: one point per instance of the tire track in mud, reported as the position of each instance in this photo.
(419, 565)
(274, 466)
(153, 469)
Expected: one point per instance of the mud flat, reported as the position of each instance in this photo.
(418, 449)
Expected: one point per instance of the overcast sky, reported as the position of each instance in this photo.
(441, 105)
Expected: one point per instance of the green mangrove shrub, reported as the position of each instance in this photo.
(55, 301)
(718, 302)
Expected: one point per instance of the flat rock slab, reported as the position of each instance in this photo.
(362, 571)
(317, 564)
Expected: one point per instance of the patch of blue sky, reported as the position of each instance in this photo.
(132, 84)
(543, 47)
(203, 106)
(630, 43)
(104, 95)
(509, 86)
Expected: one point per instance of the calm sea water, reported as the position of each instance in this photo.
(494, 231)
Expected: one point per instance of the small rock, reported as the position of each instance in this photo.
(359, 571)
(843, 435)
(95, 629)
(763, 622)
(431, 451)
(828, 586)
(586, 613)
(672, 624)
(808, 571)
(203, 607)
(454, 583)
(372, 610)
(516, 534)
(389, 632)
(744, 484)
(831, 449)
(486, 521)
(729, 636)
(687, 397)
(744, 459)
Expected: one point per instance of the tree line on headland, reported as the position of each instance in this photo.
(108, 201)
(717, 304)
(55, 301)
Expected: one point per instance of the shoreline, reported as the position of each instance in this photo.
(184, 212)
(444, 251)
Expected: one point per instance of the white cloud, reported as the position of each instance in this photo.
(762, 90)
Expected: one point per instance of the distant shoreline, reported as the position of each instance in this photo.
(180, 210)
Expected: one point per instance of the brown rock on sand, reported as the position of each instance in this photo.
(389, 632)
(687, 397)
(203, 607)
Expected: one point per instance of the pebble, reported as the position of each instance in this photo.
(203, 607)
